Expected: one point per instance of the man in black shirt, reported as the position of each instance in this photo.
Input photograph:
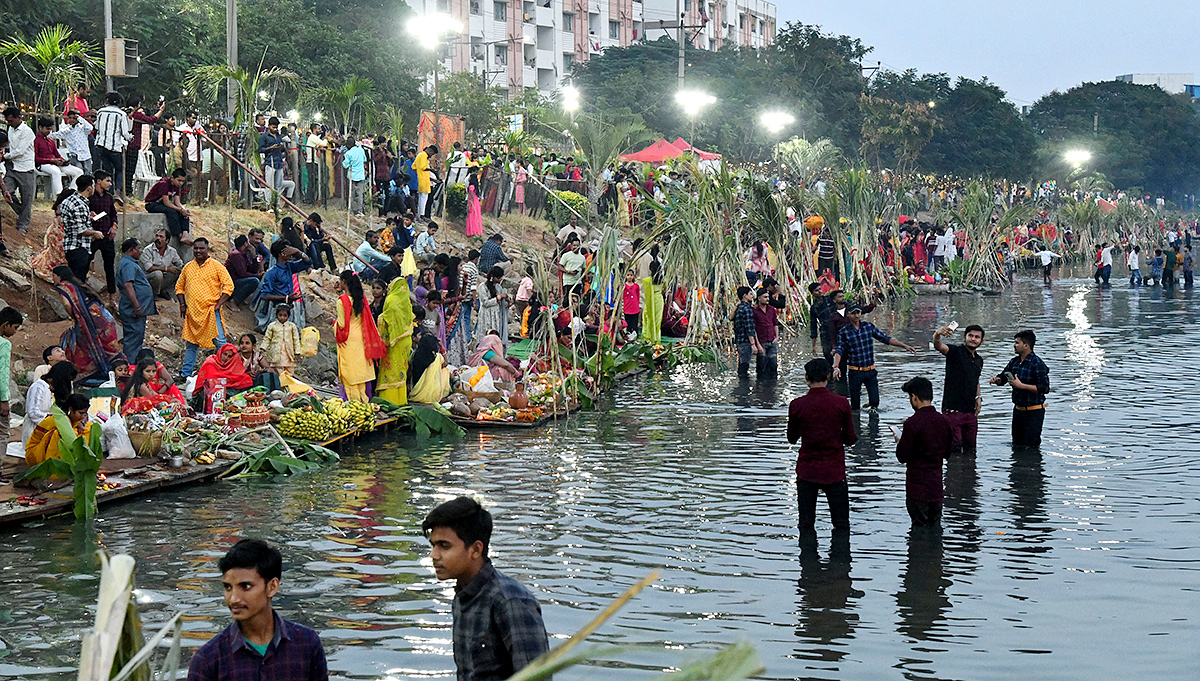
(960, 393)
(777, 299)
(818, 321)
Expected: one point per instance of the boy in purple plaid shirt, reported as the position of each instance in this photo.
(259, 644)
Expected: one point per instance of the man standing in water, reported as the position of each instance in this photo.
(259, 644)
(821, 421)
(1029, 378)
(498, 626)
(923, 446)
(961, 399)
(854, 343)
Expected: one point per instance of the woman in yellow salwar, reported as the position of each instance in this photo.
(432, 384)
(44, 441)
(395, 329)
(358, 342)
(652, 305)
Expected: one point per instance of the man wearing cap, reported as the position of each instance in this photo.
(854, 344)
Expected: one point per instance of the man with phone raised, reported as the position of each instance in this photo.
(960, 391)
(1029, 378)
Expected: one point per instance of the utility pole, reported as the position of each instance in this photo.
(231, 56)
(1095, 124)
(108, 36)
(679, 13)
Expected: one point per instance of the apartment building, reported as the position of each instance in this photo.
(517, 44)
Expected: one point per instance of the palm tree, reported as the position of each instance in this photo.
(356, 92)
(600, 140)
(206, 82)
(61, 64)
(807, 159)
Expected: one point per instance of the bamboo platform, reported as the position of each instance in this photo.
(137, 477)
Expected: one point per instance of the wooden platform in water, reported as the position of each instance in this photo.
(137, 477)
(474, 424)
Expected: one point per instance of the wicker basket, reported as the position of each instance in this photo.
(146, 444)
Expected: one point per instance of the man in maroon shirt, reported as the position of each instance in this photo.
(50, 162)
(766, 319)
(923, 446)
(821, 422)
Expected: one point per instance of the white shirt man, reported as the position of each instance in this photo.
(193, 140)
(18, 167)
(74, 134)
(1106, 257)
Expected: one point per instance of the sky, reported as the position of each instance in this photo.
(1027, 48)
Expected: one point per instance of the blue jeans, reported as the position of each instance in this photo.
(856, 381)
(190, 349)
(767, 362)
(243, 289)
(745, 353)
(133, 335)
(1135, 278)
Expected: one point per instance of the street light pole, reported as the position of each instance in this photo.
(679, 13)
(231, 56)
(108, 81)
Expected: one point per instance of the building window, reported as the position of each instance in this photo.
(476, 7)
(502, 55)
(500, 10)
(569, 22)
(568, 62)
(687, 5)
(614, 30)
(443, 5)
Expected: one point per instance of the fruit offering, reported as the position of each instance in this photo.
(306, 423)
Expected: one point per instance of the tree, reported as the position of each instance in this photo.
(356, 92)
(807, 159)
(462, 94)
(600, 138)
(909, 87)
(59, 63)
(893, 132)
(980, 134)
(1138, 135)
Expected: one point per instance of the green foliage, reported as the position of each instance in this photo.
(807, 159)
(895, 133)
(456, 199)
(560, 213)
(463, 94)
(273, 460)
(58, 62)
(980, 134)
(815, 76)
(425, 419)
(1144, 136)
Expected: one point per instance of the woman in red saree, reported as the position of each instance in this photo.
(92, 343)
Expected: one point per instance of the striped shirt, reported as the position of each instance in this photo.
(113, 129)
(76, 216)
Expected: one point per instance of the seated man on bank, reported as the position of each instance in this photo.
(163, 198)
(162, 265)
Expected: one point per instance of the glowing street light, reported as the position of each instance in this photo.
(293, 115)
(570, 99)
(776, 121)
(1077, 157)
(693, 101)
(932, 104)
(318, 116)
(428, 29)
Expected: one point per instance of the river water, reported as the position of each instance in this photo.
(1078, 562)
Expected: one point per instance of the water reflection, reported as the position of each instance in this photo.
(921, 602)
(689, 472)
(826, 600)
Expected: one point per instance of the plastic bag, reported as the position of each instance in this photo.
(479, 379)
(310, 339)
(115, 439)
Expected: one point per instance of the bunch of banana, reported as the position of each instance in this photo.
(307, 424)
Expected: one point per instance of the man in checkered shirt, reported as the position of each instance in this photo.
(76, 216)
(498, 626)
(855, 343)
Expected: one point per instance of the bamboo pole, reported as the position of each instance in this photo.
(303, 216)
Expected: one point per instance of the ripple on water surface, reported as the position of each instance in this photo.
(1076, 563)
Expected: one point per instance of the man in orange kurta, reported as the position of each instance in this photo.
(203, 287)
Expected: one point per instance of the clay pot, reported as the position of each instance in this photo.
(518, 399)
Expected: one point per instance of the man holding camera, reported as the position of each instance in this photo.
(1029, 378)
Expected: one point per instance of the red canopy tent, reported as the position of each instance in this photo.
(704, 155)
(655, 153)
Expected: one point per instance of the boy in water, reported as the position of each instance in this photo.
(498, 626)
